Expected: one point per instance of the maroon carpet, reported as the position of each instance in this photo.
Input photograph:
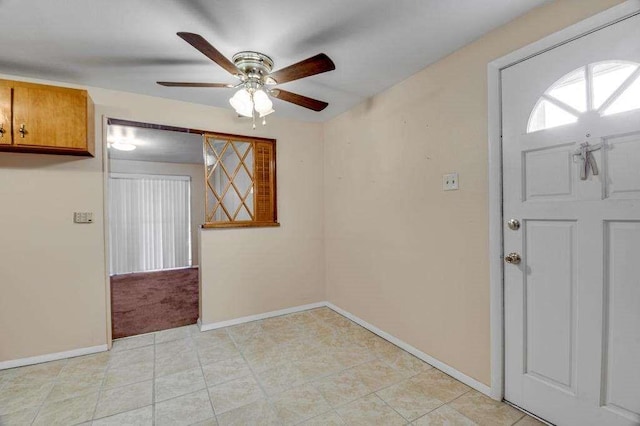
(152, 301)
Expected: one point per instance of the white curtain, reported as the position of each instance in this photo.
(150, 225)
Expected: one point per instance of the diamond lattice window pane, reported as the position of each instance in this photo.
(231, 161)
(571, 90)
(249, 200)
(231, 200)
(218, 146)
(607, 77)
(241, 147)
(627, 101)
(242, 181)
(243, 214)
(214, 210)
(248, 161)
(219, 180)
(547, 115)
(210, 159)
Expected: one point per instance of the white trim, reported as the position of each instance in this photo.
(481, 387)
(445, 368)
(105, 229)
(494, 69)
(496, 293)
(51, 357)
(242, 320)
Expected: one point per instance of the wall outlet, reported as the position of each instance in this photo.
(83, 217)
(450, 181)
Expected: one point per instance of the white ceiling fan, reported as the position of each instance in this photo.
(257, 81)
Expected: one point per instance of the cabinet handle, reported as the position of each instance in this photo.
(22, 131)
(2, 130)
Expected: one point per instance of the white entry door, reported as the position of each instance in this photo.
(572, 303)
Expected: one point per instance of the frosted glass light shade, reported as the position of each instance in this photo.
(262, 102)
(241, 102)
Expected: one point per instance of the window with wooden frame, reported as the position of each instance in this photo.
(240, 177)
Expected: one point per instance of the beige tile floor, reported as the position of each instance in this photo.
(313, 368)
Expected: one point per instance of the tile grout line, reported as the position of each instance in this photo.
(204, 379)
(374, 358)
(253, 373)
(44, 400)
(407, 378)
(153, 384)
(454, 408)
(104, 379)
(319, 378)
(351, 340)
(310, 382)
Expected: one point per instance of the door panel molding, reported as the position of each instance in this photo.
(620, 389)
(494, 69)
(549, 262)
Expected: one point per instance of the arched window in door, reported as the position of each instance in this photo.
(608, 88)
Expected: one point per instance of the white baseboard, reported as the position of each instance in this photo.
(469, 381)
(51, 357)
(242, 320)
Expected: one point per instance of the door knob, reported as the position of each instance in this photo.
(513, 258)
(513, 224)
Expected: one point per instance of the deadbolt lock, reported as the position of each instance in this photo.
(513, 224)
(513, 258)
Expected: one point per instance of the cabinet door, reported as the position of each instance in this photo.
(55, 118)
(5, 115)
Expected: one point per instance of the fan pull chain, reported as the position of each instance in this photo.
(253, 111)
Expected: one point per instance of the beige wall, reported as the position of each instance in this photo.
(252, 271)
(52, 272)
(52, 285)
(194, 171)
(401, 253)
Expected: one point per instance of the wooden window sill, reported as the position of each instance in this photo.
(226, 225)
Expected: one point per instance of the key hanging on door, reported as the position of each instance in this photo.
(587, 160)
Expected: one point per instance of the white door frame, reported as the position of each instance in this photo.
(496, 264)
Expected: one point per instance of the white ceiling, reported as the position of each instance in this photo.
(162, 146)
(129, 44)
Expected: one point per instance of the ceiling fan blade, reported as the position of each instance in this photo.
(311, 66)
(197, 41)
(303, 101)
(184, 84)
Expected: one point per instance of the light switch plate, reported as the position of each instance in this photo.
(450, 181)
(82, 217)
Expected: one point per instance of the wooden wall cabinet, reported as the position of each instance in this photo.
(46, 119)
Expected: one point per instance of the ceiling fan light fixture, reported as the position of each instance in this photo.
(241, 102)
(262, 103)
(254, 70)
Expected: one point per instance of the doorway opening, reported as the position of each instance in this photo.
(155, 207)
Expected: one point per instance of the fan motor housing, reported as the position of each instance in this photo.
(253, 64)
